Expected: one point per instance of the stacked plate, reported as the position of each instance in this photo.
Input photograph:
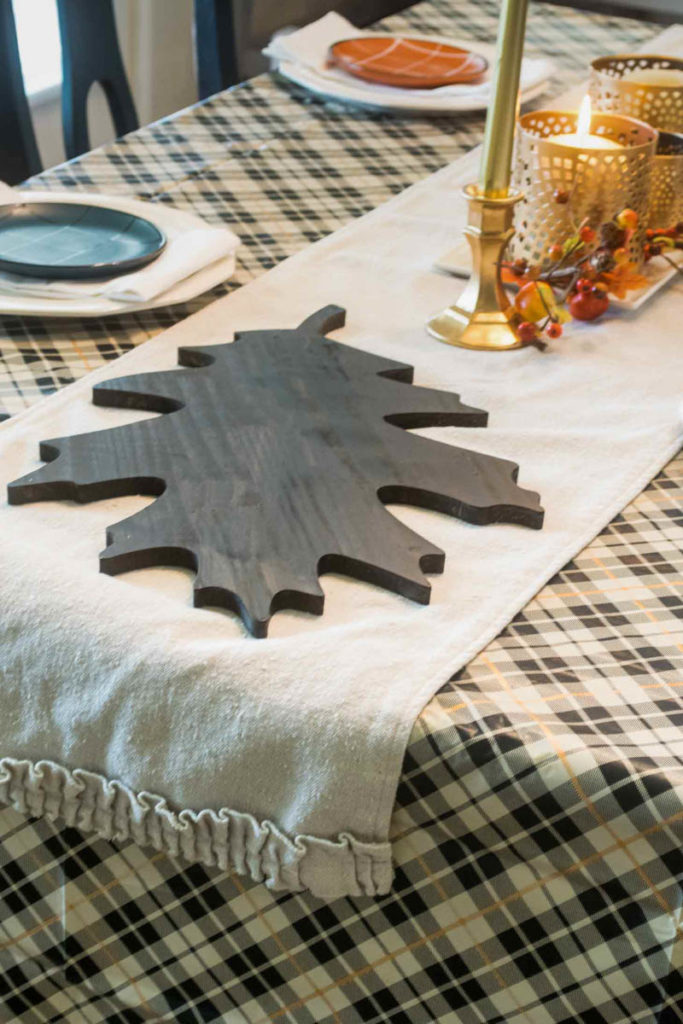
(409, 75)
(82, 254)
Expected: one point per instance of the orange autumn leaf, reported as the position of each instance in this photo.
(624, 278)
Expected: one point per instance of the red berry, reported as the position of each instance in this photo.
(560, 196)
(589, 305)
(584, 285)
(554, 330)
(526, 331)
(586, 234)
(555, 253)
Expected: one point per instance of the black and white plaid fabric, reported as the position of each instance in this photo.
(538, 826)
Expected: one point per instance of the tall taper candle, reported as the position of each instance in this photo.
(501, 119)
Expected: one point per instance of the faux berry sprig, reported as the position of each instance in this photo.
(576, 278)
(661, 241)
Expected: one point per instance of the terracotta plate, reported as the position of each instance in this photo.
(406, 63)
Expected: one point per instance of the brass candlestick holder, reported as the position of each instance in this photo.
(479, 318)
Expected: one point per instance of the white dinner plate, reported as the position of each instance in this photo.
(171, 221)
(334, 84)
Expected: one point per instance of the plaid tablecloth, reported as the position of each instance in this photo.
(539, 817)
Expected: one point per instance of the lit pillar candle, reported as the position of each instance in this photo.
(656, 76)
(582, 138)
(494, 178)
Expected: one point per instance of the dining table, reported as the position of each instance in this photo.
(524, 892)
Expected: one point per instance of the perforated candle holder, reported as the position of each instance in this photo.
(666, 194)
(597, 183)
(613, 90)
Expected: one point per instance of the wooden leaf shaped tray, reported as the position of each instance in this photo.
(406, 63)
(271, 463)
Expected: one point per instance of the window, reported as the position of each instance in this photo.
(39, 45)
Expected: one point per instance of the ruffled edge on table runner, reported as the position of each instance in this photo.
(229, 840)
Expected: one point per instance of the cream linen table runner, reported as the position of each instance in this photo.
(128, 712)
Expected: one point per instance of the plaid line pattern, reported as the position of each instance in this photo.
(537, 838)
(538, 825)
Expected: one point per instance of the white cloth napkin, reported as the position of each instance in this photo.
(186, 252)
(308, 47)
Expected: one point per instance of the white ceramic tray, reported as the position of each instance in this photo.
(457, 262)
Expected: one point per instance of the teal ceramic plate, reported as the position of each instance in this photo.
(75, 240)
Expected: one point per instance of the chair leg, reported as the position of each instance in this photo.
(74, 120)
(91, 53)
(215, 43)
(19, 157)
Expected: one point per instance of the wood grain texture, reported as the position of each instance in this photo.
(271, 461)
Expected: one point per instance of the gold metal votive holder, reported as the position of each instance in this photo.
(612, 89)
(666, 193)
(597, 183)
(479, 318)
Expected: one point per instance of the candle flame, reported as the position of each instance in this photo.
(583, 123)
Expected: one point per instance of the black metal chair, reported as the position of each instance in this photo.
(214, 32)
(229, 34)
(19, 156)
(91, 53)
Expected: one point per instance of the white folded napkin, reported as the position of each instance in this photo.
(308, 47)
(186, 252)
